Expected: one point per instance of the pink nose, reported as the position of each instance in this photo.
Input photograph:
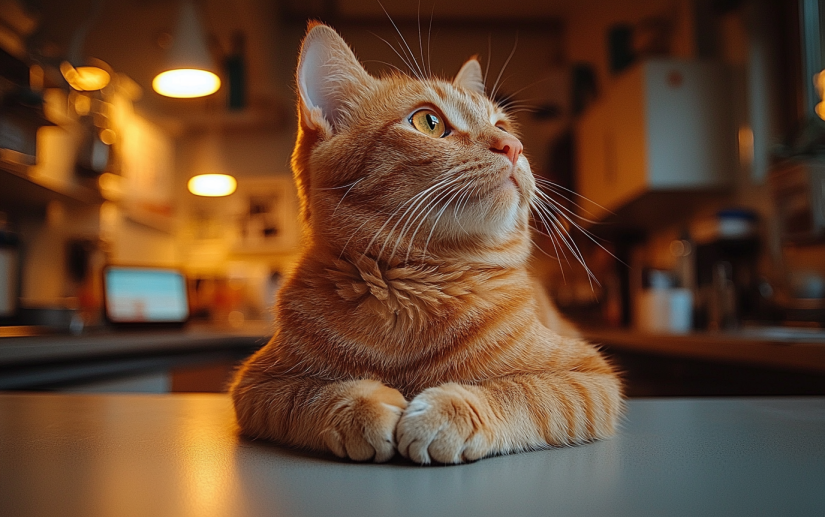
(509, 145)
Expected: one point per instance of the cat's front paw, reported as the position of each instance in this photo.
(362, 426)
(445, 424)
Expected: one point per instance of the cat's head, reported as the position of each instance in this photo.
(401, 167)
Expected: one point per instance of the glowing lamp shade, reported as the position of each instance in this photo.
(212, 185)
(189, 69)
(186, 83)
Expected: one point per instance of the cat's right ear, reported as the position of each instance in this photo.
(470, 76)
(328, 75)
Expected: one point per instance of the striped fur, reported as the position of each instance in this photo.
(411, 323)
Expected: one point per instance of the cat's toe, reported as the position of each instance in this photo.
(362, 428)
(443, 425)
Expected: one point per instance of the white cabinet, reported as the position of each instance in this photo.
(663, 126)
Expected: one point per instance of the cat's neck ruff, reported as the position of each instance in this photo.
(409, 297)
(512, 253)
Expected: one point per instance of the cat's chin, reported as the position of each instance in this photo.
(506, 197)
(508, 185)
(497, 216)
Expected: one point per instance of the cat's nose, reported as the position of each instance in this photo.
(509, 145)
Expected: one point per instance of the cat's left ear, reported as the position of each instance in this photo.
(470, 77)
(329, 75)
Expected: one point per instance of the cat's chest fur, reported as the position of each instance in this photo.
(389, 317)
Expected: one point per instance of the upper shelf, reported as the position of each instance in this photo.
(22, 193)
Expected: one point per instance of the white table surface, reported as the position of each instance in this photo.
(156, 455)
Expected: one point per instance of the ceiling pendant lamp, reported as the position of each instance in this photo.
(85, 75)
(214, 181)
(212, 185)
(189, 70)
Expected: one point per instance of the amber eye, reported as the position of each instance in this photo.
(429, 122)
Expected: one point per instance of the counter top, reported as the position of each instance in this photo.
(180, 455)
(38, 362)
(799, 349)
(55, 347)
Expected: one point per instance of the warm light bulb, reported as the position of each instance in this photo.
(212, 185)
(186, 83)
(85, 78)
(107, 136)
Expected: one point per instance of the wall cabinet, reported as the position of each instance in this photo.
(664, 126)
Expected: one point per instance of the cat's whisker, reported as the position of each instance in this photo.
(561, 206)
(554, 185)
(385, 64)
(345, 194)
(514, 107)
(508, 104)
(550, 234)
(367, 220)
(507, 62)
(539, 188)
(386, 222)
(522, 110)
(340, 186)
(411, 61)
(561, 269)
(422, 215)
(420, 41)
(569, 242)
(553, 239)
(554, 257)
(413, 203)
(534, 83)
(557, 224)
(420, 73)
(461, 204)
(421, 210)
(408, 201)
(438, 217)
(552, 225)
(489, 58)
(558, 205)
(431, 207)
(583, 230)
(402, 57)
(429, 33)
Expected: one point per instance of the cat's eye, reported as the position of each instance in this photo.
(429, 122)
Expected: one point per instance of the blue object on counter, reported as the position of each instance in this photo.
(138, 295)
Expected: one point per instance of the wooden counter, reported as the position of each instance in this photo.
(180, 455)
(55, 360)
(797, 349)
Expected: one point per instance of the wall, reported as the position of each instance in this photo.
(115, 229)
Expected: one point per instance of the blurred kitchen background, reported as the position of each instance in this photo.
(684, 140)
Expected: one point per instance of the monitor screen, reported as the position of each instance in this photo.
(145, 295)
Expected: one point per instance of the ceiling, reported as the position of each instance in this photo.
(126, 33)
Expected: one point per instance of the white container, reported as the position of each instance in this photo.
(668, 311)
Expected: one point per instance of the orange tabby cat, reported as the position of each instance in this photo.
(410, 322)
